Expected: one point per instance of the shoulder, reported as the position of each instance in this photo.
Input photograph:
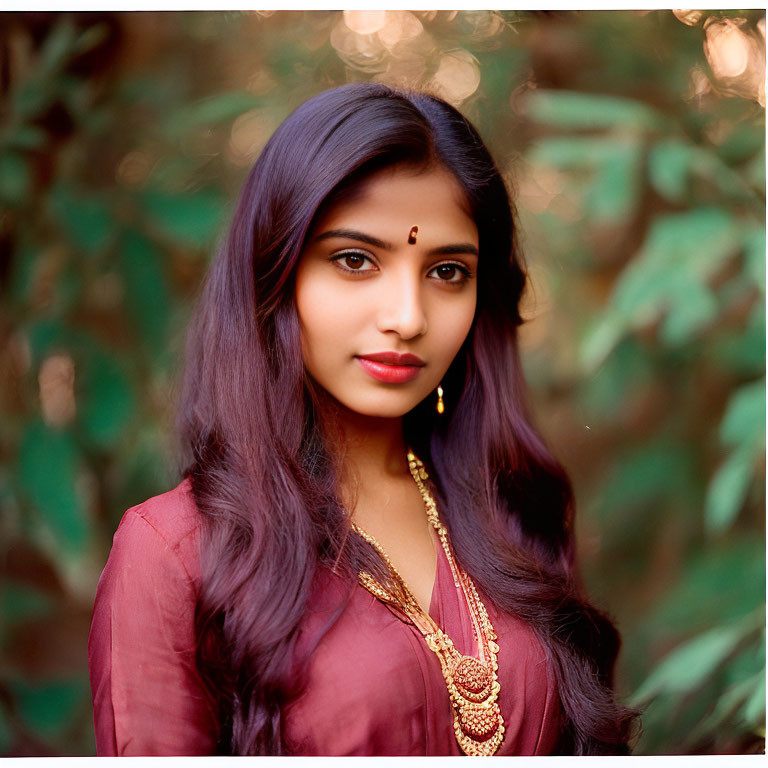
(168, 524)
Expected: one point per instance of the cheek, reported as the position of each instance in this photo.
(453, 326)
(325, 321)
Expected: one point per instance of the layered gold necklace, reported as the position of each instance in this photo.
(472, 683)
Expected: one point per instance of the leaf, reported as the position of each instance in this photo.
(48, 462)
(680, 248)
(744, 140)
(605, 393)
(743, 354)
(750, 658)
(87, 219)
(172, 172)
(726, 705)
(15, 178)
(19, 602)
(600, 339)
(614, 162)
(49, 708)
(216, 109)
(754, 708)
(45, 335)
(686, 318)
(754, 256)
(497, 66)
(744, 419)
(570, 109)
(148, 297)
(26, 137)
(743, 426)
(681, 252)
(90, 38)
(190, 219)
(574, 152)
(639, 490)
(613, 192)
(30, 99)
(721, 583)
(669, 167)
(727, 491)
(106, 403)
(57, 46)
(691, 663)
(756, 169)
(649, 472)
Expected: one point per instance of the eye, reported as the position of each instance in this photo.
(451, 272)
(353, 261)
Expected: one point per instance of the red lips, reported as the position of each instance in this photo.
(391, 367)
(394, 358)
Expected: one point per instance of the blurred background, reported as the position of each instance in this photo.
(634, 142)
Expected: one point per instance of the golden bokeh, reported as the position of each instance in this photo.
(365, 22)
(134, 168)
(56, 381)
(736, 55)
(248, 135)
(688, 17)
(457, 76)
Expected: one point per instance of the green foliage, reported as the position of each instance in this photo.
(641, 193)
(721, 583)
(720, 653)
(147, 293)
(47, 473)
(670, 274)
(220, 108)
(670, 374)
(85, 219)
(589, 110)
(107, 401)
(186, 219)
(743, 428)
(691, 664)
(15, 177)
(49, 709)
(19, 602)
(612, 163)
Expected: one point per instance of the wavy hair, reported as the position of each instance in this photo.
(265, 480)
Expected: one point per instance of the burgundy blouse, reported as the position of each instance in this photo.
(374, 686)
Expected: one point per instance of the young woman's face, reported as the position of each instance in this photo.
(370, 288)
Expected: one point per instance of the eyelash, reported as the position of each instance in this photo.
(465, 272)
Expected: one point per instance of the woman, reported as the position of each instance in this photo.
(371, 551)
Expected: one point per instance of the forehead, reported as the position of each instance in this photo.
(403, 196)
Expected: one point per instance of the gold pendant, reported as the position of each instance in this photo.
(478, 723)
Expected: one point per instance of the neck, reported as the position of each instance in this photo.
(365, 446)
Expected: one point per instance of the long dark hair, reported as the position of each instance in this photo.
(258, 460)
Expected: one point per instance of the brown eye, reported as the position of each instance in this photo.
(354, 260)
(451, 273)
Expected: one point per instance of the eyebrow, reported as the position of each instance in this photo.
(353, 234)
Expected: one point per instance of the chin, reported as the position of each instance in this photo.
(383, 410)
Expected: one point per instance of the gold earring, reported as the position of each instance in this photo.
(440, 404)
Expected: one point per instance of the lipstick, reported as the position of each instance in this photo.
(391, 367)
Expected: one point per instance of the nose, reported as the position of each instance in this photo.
(402, 309)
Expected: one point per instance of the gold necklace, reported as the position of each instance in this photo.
(472, 683)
